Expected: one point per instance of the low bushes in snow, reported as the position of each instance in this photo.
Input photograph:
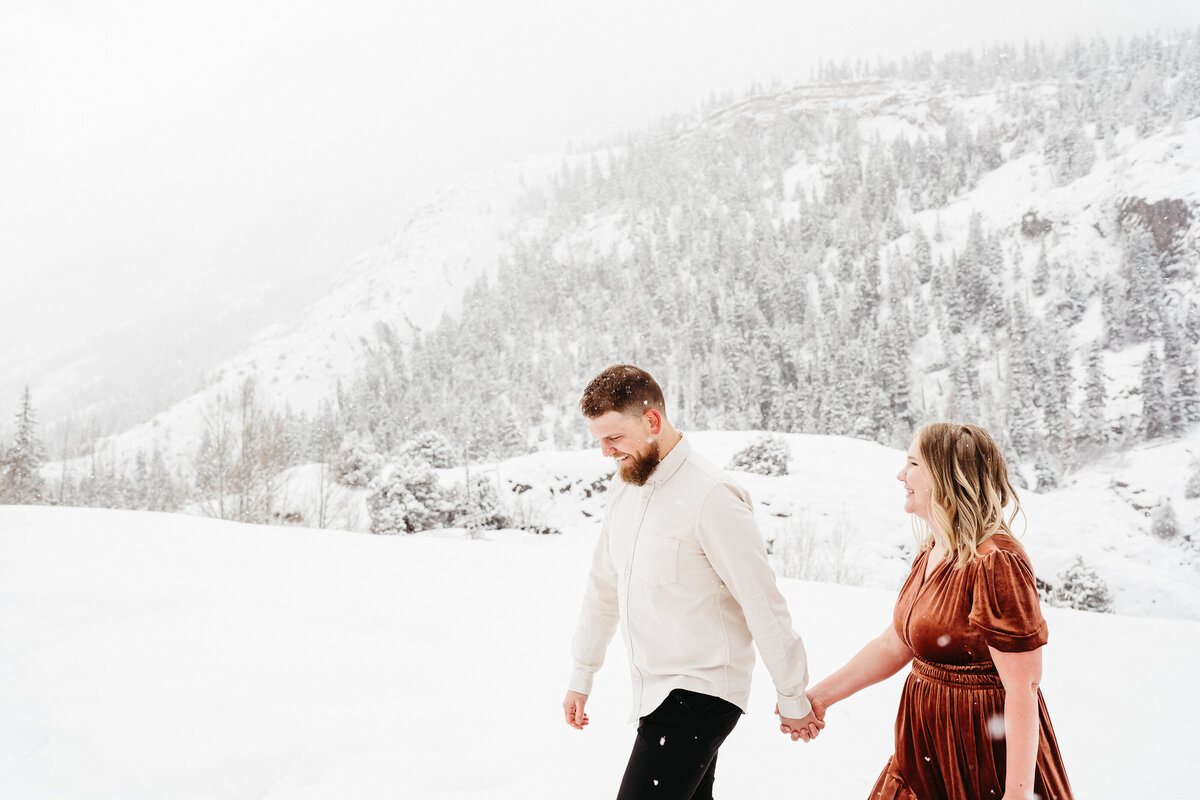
(1080, 587)
(767, 455)
(413, 498)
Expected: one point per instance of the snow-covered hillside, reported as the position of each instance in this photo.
(404, 286)
(938, 154)
(163, 657)
(837, 516)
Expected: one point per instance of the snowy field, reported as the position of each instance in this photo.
(163, 657)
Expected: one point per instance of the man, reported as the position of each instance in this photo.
(680, 563)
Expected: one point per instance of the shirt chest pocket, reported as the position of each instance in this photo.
(655, 560)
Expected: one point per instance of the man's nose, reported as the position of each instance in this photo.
(607, 449)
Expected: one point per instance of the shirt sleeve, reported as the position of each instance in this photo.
(597, 618)
(731, 541)
(1005, 606)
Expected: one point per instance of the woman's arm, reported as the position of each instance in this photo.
(883, 657)
(1020, 673)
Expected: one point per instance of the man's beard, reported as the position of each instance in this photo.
(638, 469)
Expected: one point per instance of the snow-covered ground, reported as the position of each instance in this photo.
(164, 656)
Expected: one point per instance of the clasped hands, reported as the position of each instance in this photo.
(806, 728)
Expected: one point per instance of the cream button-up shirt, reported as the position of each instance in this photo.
(681, 565)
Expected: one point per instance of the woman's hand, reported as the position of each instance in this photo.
(815, 720)
(806, 729)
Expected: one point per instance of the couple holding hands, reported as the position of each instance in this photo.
(680, 564)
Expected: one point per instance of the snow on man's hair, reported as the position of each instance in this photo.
(624, 388)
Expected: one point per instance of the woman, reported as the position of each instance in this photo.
(972, 722)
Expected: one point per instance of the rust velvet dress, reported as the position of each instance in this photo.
(950, 727)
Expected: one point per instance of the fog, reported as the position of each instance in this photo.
(173, 177)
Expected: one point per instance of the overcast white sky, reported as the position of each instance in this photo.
(142, 142)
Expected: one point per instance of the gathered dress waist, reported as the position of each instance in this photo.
(963, 676)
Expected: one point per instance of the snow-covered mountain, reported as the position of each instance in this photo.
(393, 291)
(1016, 196)
(1010, 241)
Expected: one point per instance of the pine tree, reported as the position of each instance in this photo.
(1191, 489)
(1093, 426)
(766, 455)
(1114, 311)
(410, 499)
(356, 463)
(21, 480)
(1191, 324)
(1165, 526)
(1056, 407)
(1041, 274)
(1154, 421)
(922, 255)
(1047, 478)
(1144, 280)
(1185, 401)
(1079, 587)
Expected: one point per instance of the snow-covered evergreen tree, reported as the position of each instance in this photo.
(767, 455)
(478, 505)
(1047, 476)
(1191, 489)
(1080, 587)
(21, 479)
(431, 447)
(1165, 525)
(408, 499)
(1154, 420)
(1093, 425)
(1185, 400)
(1041, 274)
(1143, 277)
(1114, 311)
(356, 463)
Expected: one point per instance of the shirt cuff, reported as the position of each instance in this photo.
(794, 707)
(580, 681)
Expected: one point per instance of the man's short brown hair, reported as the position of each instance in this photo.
(624, 388)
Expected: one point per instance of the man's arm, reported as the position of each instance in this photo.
(733, 545)
(593, 632)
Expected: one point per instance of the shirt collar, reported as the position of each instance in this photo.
(672, 462)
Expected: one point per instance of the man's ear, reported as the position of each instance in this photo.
(655, 419)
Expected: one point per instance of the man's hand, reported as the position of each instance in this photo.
(806, 728)
(573, 705)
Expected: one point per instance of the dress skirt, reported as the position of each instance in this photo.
(950, 739)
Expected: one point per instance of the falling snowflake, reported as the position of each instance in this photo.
(995, 726)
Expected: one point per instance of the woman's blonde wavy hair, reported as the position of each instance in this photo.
(970, 488)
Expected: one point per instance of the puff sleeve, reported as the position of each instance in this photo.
(1004, 608)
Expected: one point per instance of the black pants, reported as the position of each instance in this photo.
(675, 755)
